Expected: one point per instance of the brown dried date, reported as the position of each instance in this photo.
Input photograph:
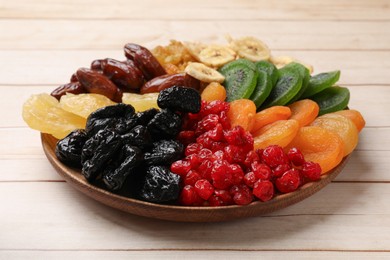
(144, 60)
(72, 87)
(125, 75)
(166, 81)
(95, 82)
(74, 78)
(96, 64)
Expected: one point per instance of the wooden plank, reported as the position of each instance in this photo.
(113, 34)
(340, 217)
(363, 166)
(192, 254)
(56, 67)
(200, 10)
(363, 98)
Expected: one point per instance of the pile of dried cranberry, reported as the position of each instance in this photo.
(221, 167)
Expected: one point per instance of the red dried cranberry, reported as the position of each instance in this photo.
(280, 169)
(224, 120)
(181, 167)
(295, 156)
(205, 153)
(218, 155)
(221, 176)
(250, 179)
(234, 154)
(205, 169)
(204, 189)
(237, 173)
(193, 148)
(214, 107)
(191, 178)
(224, 195)
(250, 158)
(205, 141)
(311, 171)
(218, 146)
(274, 155)
(189, 196)
(241, 194)
(261, 171)
(263, 190)
(207, 123)
(289, 181)
(215, 201)
(216, 134)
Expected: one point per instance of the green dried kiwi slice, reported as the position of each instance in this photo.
(304, 73)
(240, 80)
(320, 82)
(263, 88)
(332, 99)
(269, 68)
(288, 85)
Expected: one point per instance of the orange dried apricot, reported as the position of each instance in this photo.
(304, 111)
(241, 113)
(270, 115)
(319, 145)
(342, 126)
(355, 116)
(281, 133)
(214, 91)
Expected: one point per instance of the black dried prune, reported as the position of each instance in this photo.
(109, 117)
(144, 117)
(165, 125)
(97, 151)
(160, 185)
(178, 98)
(68, 150)
(164, 152)
(129, 158)
(138, 136)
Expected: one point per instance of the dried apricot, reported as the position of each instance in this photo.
(355, 116)
(42, 112)
(342, 126)
(84, 104)
(304, 111)
(319, 145)
(214, 91)
(281, 133)
(242, 112)
(270, 115)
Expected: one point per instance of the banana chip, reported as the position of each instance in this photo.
(250, 48)
(203, 73)
(216, 55)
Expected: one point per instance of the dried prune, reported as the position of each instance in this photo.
(110, 117)
(160, 185)
(165, 125)
(68, 150)
(129, 158)
(138, 136)
(144, 117)
(95, 82)
(164, 152)
(97, 151)
(72, 87)
(166, 81)
(124, 75)
(144, 60)
(180, 99)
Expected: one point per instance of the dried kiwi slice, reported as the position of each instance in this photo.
(303, 73)
(269, 68)
(288, 85)
(332, 99)
(320, 82)
(263, 88)
(240, 80)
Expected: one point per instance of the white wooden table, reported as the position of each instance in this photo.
(43, 42)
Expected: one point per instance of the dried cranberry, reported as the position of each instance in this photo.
(237, 173)
(280, 169)
(204, 189)
(192, 148)
(311, 171)
(205, 169)
(289, 181)
(250, 179)
(263, 190)
(261, 171)
(241, 194)
(216, 134)
(224, 195)
(214, 107)
(234, 154)
(186, 137)
(250, 158)
(181, 167)
(274, 155)
(295, 156)
(221, 176)
(191, 178)
(189, 196)
(207, 123)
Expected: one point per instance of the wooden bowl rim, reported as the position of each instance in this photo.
(182, 213)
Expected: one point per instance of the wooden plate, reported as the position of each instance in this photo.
(181, 213)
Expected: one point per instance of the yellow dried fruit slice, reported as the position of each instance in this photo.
(42, 112)
(84, 104)
(141, 102)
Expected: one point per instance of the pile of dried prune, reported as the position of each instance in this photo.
(140, 72)
(131, 153)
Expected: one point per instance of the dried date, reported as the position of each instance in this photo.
(72, 87)
(166, 81)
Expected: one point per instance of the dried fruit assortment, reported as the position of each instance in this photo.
(199, 124)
